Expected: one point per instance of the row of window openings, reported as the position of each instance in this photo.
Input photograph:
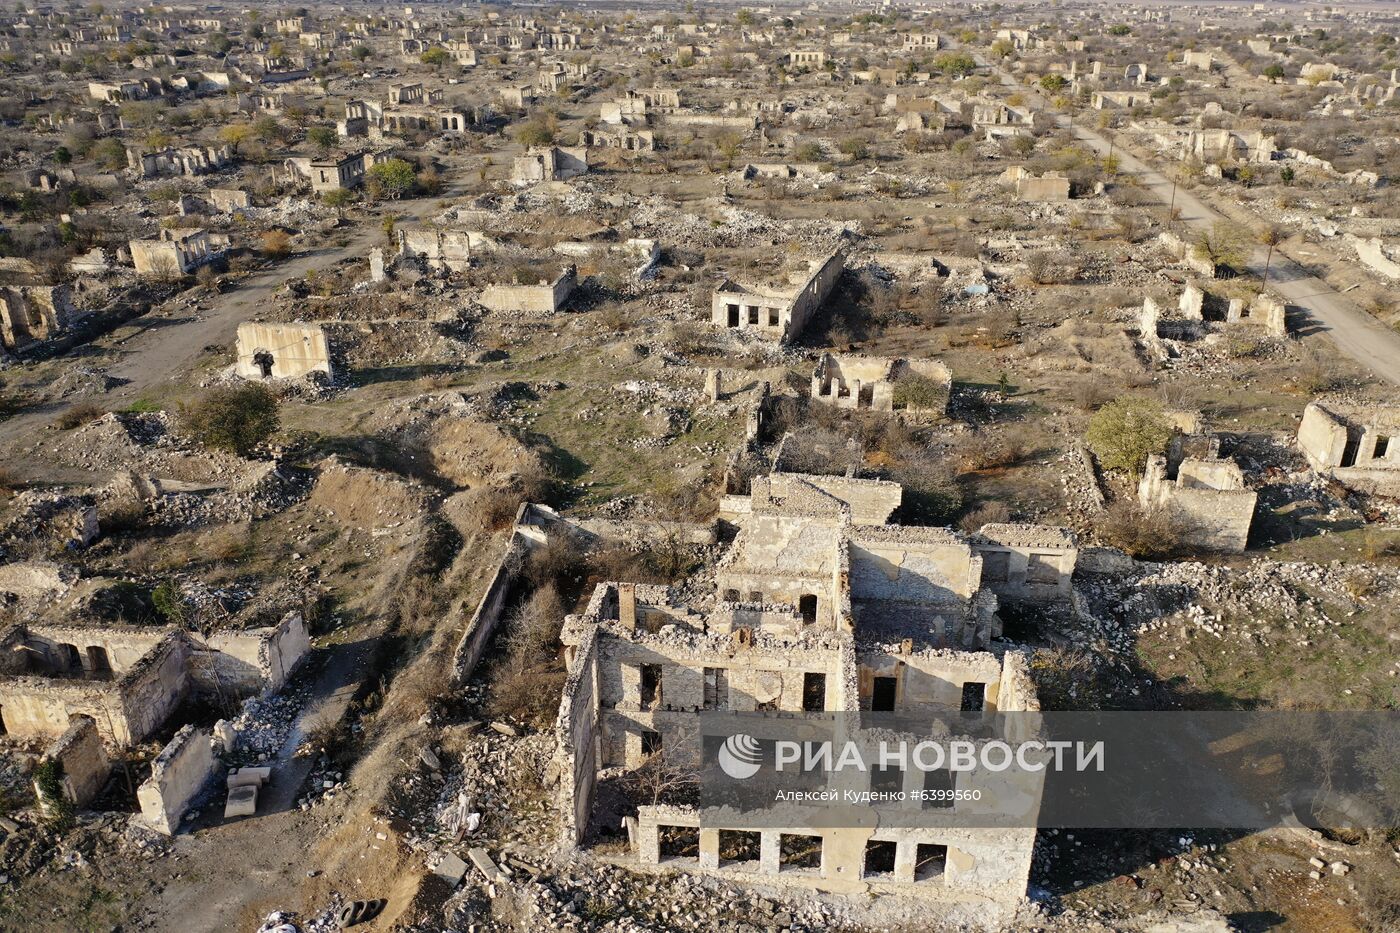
(735, 318)
(996, 568)
(1353, 449)
(798, 852)
(883, 696)
(70, 659)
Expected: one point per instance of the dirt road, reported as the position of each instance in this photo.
(1354, 332)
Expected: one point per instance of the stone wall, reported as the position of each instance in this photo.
(80, 754)
(179, 774)
(250, 662)
(544, 298)
(282, 351)
(576, 731)
(1207, 499)
(1358, 445)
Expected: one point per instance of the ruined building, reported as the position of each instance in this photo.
(779, 311)
(129, 678)
(1358, 445)
(33, 313)
(822, 608)
(877, 383)
(1204, 493)
(550, 163)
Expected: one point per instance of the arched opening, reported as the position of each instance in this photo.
(97, 660)
(68, 657)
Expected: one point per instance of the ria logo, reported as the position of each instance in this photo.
(740, 756)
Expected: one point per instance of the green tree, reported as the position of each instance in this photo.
(744, 18)
(392, 179)
(1125, 431)
(322, 137)
(539, 130)
(854, 147)
(1053, 83)
(435, 56)
(809, 152)
(1224, 244)
(237, 419)
(1120, 30)
(1274, 73)
(338, 199)
(361, 52)
(957, 64)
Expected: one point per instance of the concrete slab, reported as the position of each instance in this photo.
(242, 801)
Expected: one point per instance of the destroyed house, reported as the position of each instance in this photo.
(130, 679)
(642, 669)
(778, 311)
(1356, 444)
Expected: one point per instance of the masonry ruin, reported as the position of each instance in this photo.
(777, 311)
(1204, 493)
(914, 388)
(1358, 445)
(130, 679)
(282, 351)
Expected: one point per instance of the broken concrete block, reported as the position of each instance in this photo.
(450, 868)
(249, 777)
(242, 801)
(482, 860)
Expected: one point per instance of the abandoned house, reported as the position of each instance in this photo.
(777, 311)
(545, 297)
(175, 253)
(643, 669)
(129, 678)
(550, 163)
(875, 383)
(33, 313)
(1356, 444)
(282, 351)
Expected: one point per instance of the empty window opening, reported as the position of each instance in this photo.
(772, 317)
(678, 842)
(264, 361)
(651, 743)
(738, 847)
(996, 566)
(753, 314)
(974, 697)
(716, 688)
(1042, 568)
(755, 596)
(650, 685)
(882, 699)
(807, 605)
(799, 853)
(1382, 447)
(1350, 451)
(930, 860)
(938, 787)
(813, 692)
(731, 596)
(886, 778)
(97, 660)
(879, 858)
(68, 657)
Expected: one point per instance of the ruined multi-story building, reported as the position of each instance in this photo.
(779, 311)
(822, 609)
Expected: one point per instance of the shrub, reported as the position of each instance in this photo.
(78, 415)
(170, 605)
(275, 243)
(1148, 534)
(932, 495)
(987, 513)
(920, 393)
(1125, 431)
(236, 420)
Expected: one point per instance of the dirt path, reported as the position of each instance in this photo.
(1355, 333)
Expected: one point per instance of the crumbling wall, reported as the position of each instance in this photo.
(82, 758)
(249, 662)
(155, 685)
(282, 351)
(576, 731)
(37, 706)
(1357, 445)
(482, 624)
(1027, 562)
(1207, 499)
(179, 774)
